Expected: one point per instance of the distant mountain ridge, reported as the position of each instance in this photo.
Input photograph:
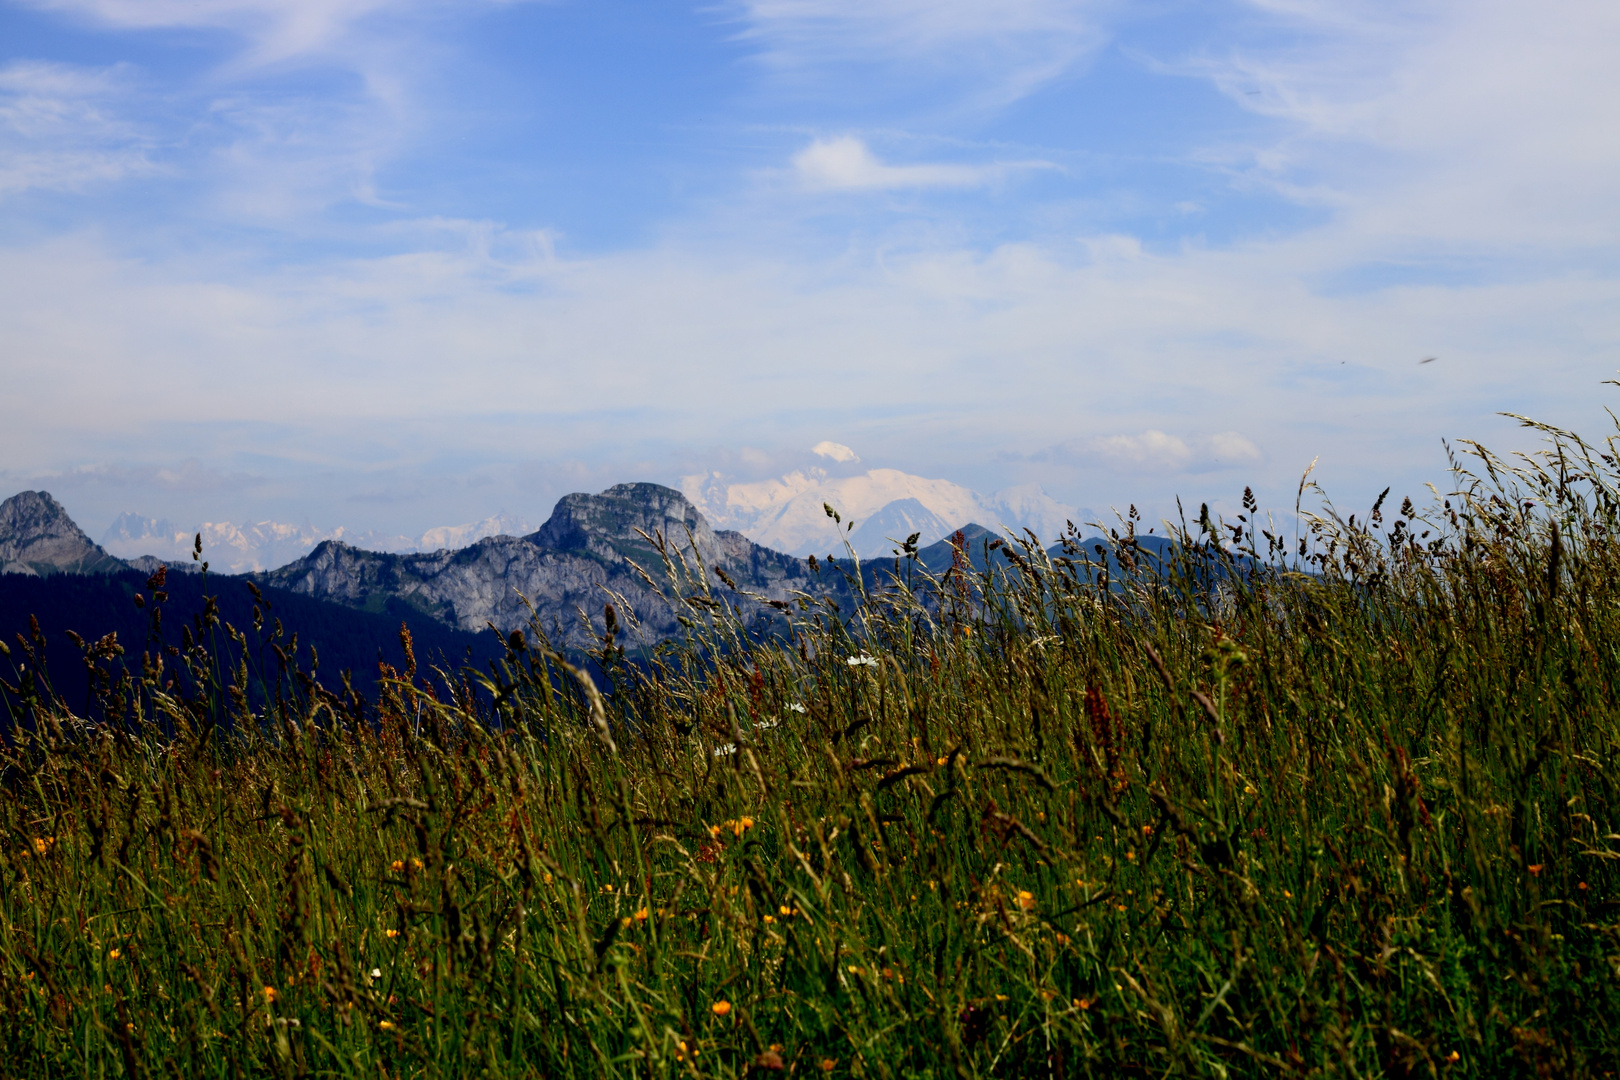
(265, 545)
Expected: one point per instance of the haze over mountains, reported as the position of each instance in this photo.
(265, 545)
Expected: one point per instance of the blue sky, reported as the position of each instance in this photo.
(397, 263)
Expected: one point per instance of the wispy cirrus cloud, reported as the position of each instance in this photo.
(275, 29)
(999, 52)
(61, 127)
(1435, 129)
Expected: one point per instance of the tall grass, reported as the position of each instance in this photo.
(1335, 803)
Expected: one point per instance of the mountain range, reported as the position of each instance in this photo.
(594, 550)
(265, 545)
(787, 512)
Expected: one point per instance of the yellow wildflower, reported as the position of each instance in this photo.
(721, 1008)
(1026, 900)
(270, 994)
(391, 932)
(397, 866)
(114, 954)
(386, 1025)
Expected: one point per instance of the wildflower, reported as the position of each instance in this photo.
(828, 1064)
(785, 911)
(1001, 997)
(798, 708)
(721, 1008)
(43, 844)
(386, 1025)
(682, 1051)
(1287, 895)
(1062, 939)
(391, 932)
(1536, 869)
(770, 919)
(1453, 1057)
(641, 916)
(376, 973)
(722, 751)
(1248, 789)
(862, 661)
(416, 864)
(1581, 886)
(942, 761)
(1082, 1003)
(114, 954)
(548, 879)
(1026, 900)
(397, 866)
(270, 995)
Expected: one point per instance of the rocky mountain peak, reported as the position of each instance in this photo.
(606, 526)
(38, 537)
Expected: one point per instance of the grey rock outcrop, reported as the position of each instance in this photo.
(38, 537)
(578, 561)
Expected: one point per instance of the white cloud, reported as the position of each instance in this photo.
(1156, 451)
(846, 163)
(837, 451)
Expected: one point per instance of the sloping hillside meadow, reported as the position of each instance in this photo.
(1336, 803)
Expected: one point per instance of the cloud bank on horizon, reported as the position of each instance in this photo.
(388, 263)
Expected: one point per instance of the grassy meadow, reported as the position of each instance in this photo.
(1341, 802)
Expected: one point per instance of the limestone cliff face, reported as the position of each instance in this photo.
(577, 562)
(38, 537)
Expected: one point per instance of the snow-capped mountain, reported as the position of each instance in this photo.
(265, 545)
(786, 513)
